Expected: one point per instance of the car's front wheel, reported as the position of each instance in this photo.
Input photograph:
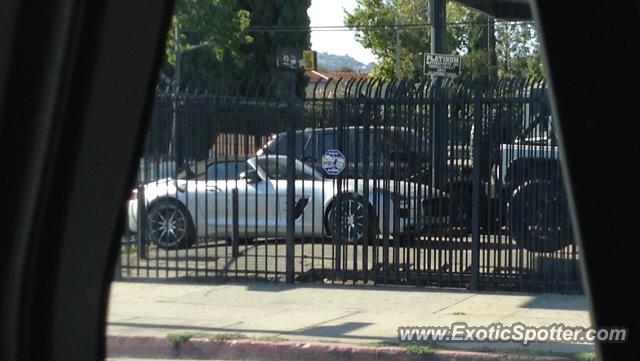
(170, 225)
(351, 219)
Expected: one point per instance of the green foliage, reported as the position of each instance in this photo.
(265, 44)
(515, 51)
(584, 356)
(381, 40)
(270, 338)
(218, 44)
(211, 36)
(180, 337)
(419, 348)
(128, 248)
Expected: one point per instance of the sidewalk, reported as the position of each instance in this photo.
(358, 314)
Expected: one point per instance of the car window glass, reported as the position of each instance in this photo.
(276, 169)
(225, 170)
(310, 147)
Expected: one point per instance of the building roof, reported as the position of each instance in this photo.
(315, 75)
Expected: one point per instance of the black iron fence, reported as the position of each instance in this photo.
(452, 183)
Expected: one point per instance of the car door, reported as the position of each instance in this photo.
(221, 178)
(271, 202)
(305, 212)
(258, 208)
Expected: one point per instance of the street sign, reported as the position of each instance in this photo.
(442, 65)
(309, 59)
(333, 162)
(288, 59)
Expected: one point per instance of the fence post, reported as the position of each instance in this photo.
(141, 236)
(235, 251)
(117, 271)
(291, 180)
(475, 193)
(339, 205)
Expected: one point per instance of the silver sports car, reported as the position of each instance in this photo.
(183, 211)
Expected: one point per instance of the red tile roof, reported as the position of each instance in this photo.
(315, 75)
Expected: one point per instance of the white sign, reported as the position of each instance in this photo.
(288, 59)
(333, 162)
(442, 65)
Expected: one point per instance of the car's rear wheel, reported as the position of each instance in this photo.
(170, 225)
(539, 218)
(351, 219)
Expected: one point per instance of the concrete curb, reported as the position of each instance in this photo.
(202, 349)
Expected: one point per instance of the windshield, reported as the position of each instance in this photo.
(276, 168)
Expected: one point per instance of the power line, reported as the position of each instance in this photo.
(338, 28)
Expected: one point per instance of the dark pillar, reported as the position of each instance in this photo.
(291, 156)
(491, 48)
(474, 284)
(437, 11)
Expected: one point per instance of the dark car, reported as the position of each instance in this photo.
(371, 152)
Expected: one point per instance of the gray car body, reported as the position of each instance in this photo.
(262, 203)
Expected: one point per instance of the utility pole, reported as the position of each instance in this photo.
(177, 50)
(176, 142)
(491, 47)
(397, 71)
(437, 12)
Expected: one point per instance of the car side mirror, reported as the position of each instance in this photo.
(251, 176)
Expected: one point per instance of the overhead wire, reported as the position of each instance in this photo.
(339, 28)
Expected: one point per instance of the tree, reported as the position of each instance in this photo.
(518, 50)
(270, 18)
(210, 34)
(472, 29)
(485, 52)
(371, 18)
(218, 44)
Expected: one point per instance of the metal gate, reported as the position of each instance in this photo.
(452, 183)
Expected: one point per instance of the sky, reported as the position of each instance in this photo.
(330, 12)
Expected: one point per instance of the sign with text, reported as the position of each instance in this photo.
(442, 65)
(310, 60)
(333, 162)
(288, 59)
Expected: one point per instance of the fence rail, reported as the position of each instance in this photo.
(453, 183)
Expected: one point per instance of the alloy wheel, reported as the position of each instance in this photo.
(167, 225)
